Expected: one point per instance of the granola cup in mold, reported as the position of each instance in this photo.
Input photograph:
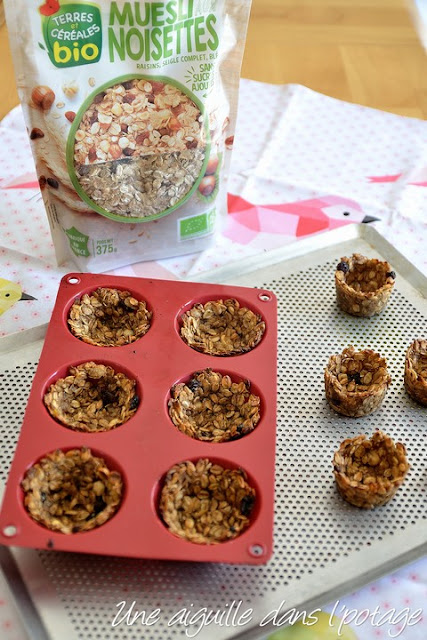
(368, 472)
(72, 491)
(356, 381)
(92, 398)
(214, 408)
(222, 328)
(416, 371)
(138, 148)
(109, 318)
(363, 285)
(206, 503)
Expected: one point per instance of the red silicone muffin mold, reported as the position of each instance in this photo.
(148, 444)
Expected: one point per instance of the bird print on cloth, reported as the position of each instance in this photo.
(10, 293)
(296, 219)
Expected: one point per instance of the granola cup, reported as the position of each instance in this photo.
(369, 472)
(205, 503)
(222, 328)
(212, 408)
(92, 398)
(416, 371)
(356, 381)
(363, 285)
(109, 318)
(72, 491)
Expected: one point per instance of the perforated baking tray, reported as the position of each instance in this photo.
(323, 547)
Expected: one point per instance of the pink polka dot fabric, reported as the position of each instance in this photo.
(303, 163)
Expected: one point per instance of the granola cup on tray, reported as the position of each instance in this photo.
(356, 381)
(416, 371)
(72, 491)
(363, 285)
(92, 398)
(109, 318)
(222, 328)
(213, 408)
(369, 472)
(206, 503)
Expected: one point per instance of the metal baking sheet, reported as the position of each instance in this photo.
(323, 546)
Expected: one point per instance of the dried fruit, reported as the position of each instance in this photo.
(364, 286)
(356, 381)
(92, 398)
(36, 133)
(212, 408)
(109, 317)
(206, 503)
(63, 491)
(52, 182)
(221, 327)
(42, 182)
(43, 97)
(369, 472)
(70, 115)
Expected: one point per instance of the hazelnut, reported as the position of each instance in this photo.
(212, 165)
(115, 151)
(207, 185)
(43, 97)
(36, 133)
(70, 115)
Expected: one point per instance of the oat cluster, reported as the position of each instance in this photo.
(416, 371)
(109, 318)
(356, 381)
(369, 472)
(92, 398)
(139, 147)
(72, 491)
(363, 285)
(222, 328)
(212, 408)
(206, 503)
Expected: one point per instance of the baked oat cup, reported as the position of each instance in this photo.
(363, 285)
(416, 371)
(137, 149)
(222, 328)
(206, 503)
(72, 491)
(368, 472)
(92, 398)
(356, 381)
(109, 318)
(212, 408)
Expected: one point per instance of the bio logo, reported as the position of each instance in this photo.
(72, 33)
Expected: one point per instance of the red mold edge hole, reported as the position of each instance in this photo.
(235, 377)
(265, 297)
(257, 550)
(73, 279)
(112, 465)
(227, 464)
(212, 298)
(10, 531)
(63, 372)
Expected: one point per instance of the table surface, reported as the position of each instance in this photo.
(364, 51)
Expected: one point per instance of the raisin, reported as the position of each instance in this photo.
(107, 397)
(128, 84)
(52, 183)
(247, 505)
(355, 377)
(134, 403)
(391, 274)
(343, 266)
(194, 384)
(128, 98)
(100, 97)
(128, 151)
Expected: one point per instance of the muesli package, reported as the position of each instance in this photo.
(130, 109)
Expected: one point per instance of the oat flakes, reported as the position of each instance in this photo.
(72, 491)
(222, 328)
(356, 381)
(92, 398)
(213, 408)
(363, 285)
(369, 472)
(109, 318)
(206, 503)
(416, 371)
